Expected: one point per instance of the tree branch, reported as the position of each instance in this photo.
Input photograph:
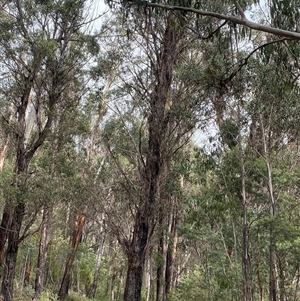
(237, 5)
(244, 21)
(211, 34)
(244, 61)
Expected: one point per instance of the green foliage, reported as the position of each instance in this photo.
(229, 132)
(209, 198)
(47, 295)
(76, 297)
(191, 287)
(197, 286)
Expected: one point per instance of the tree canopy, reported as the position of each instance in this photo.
(151, 155)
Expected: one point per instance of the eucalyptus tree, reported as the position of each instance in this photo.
(155, 144)
(171, 106)
(229, 12)
(41, 49)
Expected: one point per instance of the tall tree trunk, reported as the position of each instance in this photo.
(272, 208)
(79, 222)
(43, 249)
(158, 122)
(245, 227)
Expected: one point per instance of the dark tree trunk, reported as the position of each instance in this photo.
(18, 212)
(43, 249)
(11, 252)
(157, 157)
(134, 277)
(136, 260)
(79, 222)
(5, 225)
(273, 286)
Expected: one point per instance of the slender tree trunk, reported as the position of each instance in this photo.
(98, 261)
(161, 269)
(245, 231)
(245, 261)
(27, 272)
(43, 249)
(272, 283)
(272, 207)
(171, 255)
(79, 222)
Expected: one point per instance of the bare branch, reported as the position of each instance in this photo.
(211, 34)
(244, 21)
